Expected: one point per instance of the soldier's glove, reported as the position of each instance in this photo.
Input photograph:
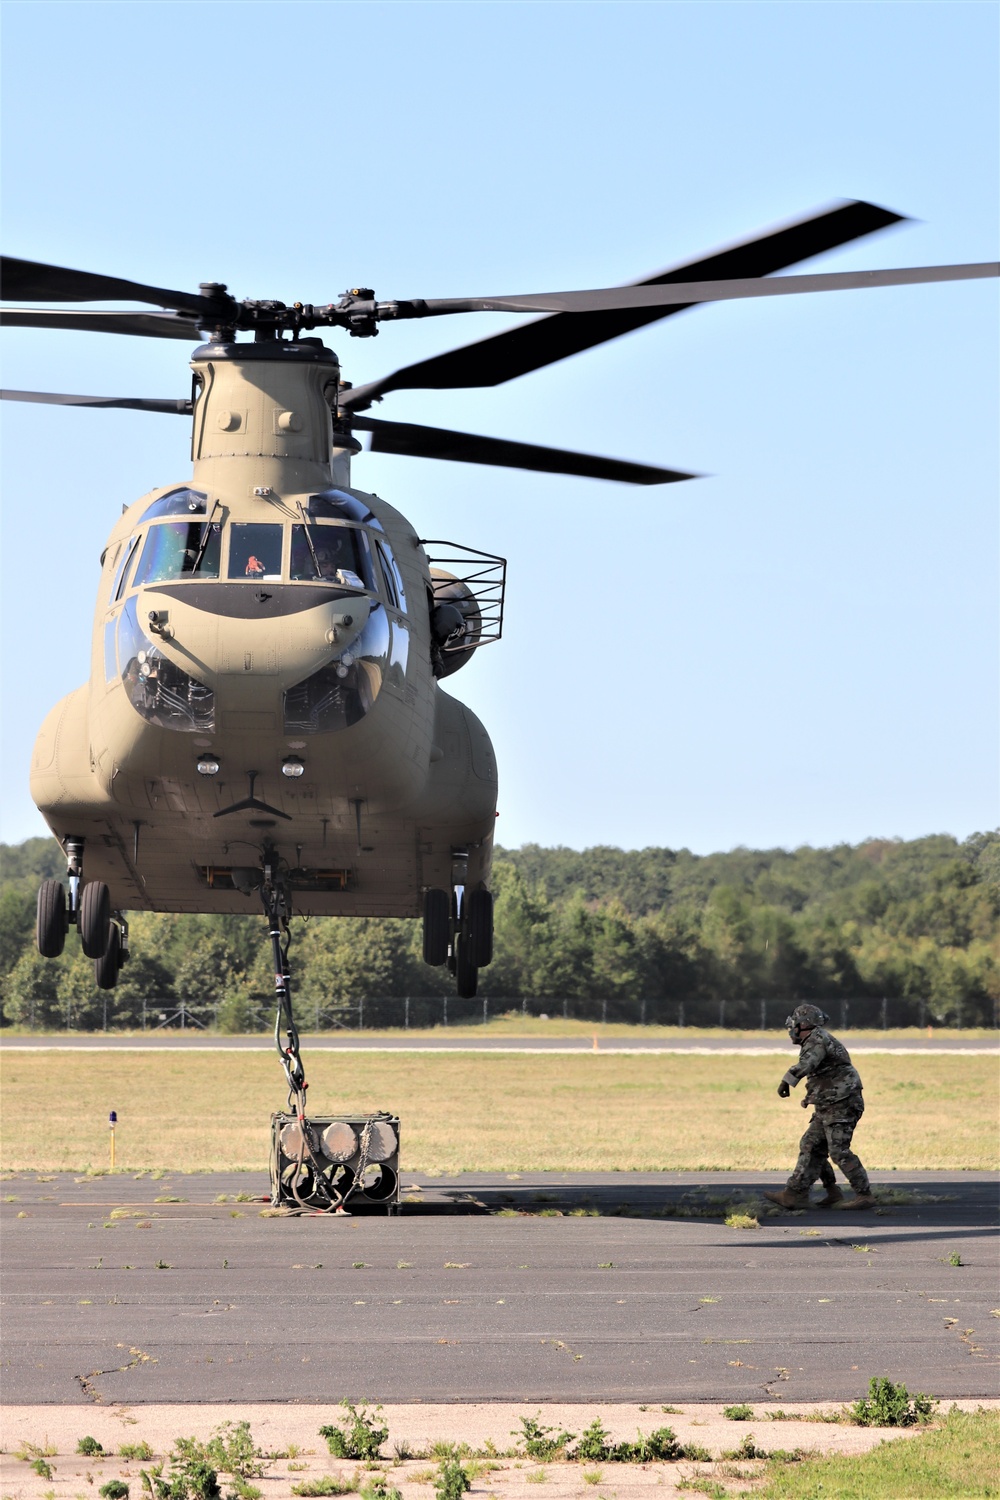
(787, 1084)
(805, 1103)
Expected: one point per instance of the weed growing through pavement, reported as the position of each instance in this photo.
(359, 1436)
(742, 1221)
(890, 1405)
(378, 1489)
(452, 1480)
(28, 1451)
(325, 1485)
(747, 1449)
(141, 1452)
(543, 1443)
(740, 1413)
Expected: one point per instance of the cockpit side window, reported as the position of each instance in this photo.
(177, 503)
(180, 549)
(118, 587)
(392, 577)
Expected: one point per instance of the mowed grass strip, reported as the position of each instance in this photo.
(486, 1113)
(960, 1460)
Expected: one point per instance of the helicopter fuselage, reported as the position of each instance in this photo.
(264, 675)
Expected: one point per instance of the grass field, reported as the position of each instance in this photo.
(204, 1111)
(514, 1024)
(960, 1460)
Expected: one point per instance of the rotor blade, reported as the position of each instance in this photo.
(687, 292)
(516, 351)
(159, 325)
(181, 407)
(24, 279)
(414, 441)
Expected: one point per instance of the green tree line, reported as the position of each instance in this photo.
(655, 933)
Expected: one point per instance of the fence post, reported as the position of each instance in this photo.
(406, 1013)
(680, 1014)
(722, 1012)
(361, 1014)
(444, 1010)
(604, 1012)
(524, 1005)
(763, 1015)
(883, 1013)
(486, 1011)
(565, 1009)
(642, 1011)
(844, 1007)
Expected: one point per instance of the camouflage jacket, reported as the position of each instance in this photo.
(825, 1064)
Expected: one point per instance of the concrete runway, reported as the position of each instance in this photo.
(488, 1289)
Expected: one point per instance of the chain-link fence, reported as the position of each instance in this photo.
(421, 1012)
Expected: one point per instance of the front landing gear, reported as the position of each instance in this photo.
(52, 921)
(103, 932)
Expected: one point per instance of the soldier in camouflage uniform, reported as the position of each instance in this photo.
(833, 1088)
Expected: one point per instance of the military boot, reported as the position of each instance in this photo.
(787, 1199)
(859, 1201)
(833, 1197)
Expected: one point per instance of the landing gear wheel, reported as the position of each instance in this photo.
(479, 926)
(107, 966)
(95, 918)
(51, 923)
(466, 973)
(437, 920)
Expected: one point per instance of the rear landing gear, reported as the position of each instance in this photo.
(107, 966)
(466, 972)
(437, 927)
(459, 931)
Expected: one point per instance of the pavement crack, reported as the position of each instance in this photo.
(86, 1382)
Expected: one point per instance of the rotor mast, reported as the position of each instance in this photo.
(263, 418)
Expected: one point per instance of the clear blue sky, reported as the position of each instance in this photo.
(799, 649)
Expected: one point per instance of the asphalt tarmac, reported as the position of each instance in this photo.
(543, 1287)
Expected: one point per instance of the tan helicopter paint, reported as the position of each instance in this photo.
(418, 766)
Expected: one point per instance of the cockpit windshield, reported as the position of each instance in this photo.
(255, 552)
(179, 549)
(331, 554)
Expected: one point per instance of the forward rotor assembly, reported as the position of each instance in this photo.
(577, 320)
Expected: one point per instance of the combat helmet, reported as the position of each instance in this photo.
(804, 1018)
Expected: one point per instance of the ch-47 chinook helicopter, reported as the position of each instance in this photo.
(264, 718)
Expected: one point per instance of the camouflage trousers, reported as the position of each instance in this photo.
(828, 1138)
